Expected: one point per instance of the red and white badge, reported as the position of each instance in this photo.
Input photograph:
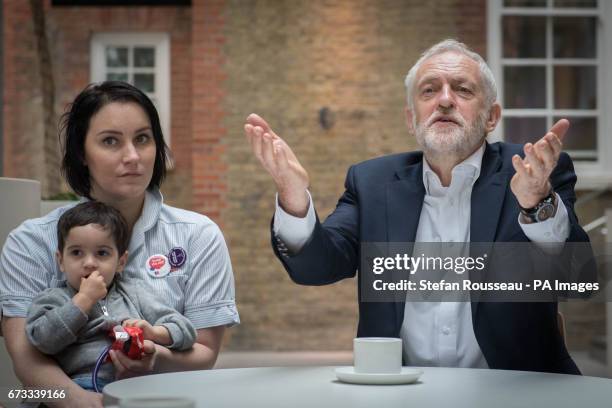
(158, 266)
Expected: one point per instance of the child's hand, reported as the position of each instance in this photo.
(92, 289)
(157, 334)
(147, 329)
(125, 367)
(93, 286)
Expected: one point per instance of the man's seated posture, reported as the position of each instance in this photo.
(459, 188)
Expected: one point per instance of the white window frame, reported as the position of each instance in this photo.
(161, 43)
(592, 174)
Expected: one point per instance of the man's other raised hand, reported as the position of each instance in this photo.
(530, 183)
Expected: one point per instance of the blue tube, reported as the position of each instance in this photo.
(99, 362)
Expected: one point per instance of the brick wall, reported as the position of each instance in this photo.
(209, 149)
(286, 61)
(22, 103)
(69, 31)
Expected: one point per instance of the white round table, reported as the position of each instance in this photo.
(318, 387)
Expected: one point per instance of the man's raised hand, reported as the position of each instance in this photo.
(280, 162)
(530, 184)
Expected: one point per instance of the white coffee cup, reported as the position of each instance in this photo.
(377, 355)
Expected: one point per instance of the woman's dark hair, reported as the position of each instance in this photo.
(94, 212)
(74, 125)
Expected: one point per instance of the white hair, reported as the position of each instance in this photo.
(450, 45)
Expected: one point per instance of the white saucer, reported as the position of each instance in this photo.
(406, 376)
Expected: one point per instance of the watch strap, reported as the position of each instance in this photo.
(541, 211)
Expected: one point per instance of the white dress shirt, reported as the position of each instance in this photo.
(437, 333)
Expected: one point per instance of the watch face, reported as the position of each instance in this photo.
(545, 212)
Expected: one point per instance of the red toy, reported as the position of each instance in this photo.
(130, 340)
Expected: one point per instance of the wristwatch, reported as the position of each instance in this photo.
(543, 210)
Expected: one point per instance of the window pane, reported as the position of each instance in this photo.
(576, 3)
(575, 87)
(117, 77)
(144, 57)
(145, 82)
(523, 130)
(524, 37)
(524, 3)
(574, 37)
(581, 136)
(525, 87)
(116, 56)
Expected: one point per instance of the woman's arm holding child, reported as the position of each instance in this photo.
(37, 370)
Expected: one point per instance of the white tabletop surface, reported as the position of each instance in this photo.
(318, 387)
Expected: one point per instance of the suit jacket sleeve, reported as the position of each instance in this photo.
(332, 252)
(563, 180)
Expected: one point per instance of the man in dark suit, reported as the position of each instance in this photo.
(459, 189)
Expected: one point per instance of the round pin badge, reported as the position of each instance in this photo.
(158, 266)
(177, 257)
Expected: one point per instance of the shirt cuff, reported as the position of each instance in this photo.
(554, 230)
(176, 336)
(222, 313)
(14, 306)
(294, 231)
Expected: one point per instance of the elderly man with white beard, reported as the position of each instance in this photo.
(458, 189)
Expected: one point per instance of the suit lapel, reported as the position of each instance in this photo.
(488, 197)
(405, 200)
(404, 203)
